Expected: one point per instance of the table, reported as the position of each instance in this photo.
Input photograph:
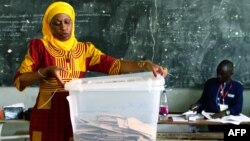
(192, 135)
(2, 122)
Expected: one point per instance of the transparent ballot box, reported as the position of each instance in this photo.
(115, 108)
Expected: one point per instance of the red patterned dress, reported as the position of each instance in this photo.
(50, 120)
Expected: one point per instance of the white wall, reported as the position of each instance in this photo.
(10, 95)
(179, 99)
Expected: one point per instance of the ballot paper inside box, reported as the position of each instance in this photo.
(115, 108)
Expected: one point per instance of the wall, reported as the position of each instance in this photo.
(10, 95)
(179, 98)
(189, 37)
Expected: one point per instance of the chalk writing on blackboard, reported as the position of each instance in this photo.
(188, 37)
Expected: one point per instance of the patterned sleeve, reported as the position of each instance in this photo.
(100, 62)
(29, 64)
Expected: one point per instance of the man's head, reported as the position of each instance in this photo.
(225, 70)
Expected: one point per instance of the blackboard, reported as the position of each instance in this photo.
(189, 37)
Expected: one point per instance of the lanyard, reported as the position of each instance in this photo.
(223, 92)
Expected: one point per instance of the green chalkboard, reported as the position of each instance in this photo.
(190, 37)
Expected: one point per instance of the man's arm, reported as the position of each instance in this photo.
(235, 107)
(199, 105)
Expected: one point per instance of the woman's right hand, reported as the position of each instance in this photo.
(53, 71)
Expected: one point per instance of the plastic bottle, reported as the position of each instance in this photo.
(163, 110)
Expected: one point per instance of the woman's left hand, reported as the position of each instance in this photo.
(156, 69)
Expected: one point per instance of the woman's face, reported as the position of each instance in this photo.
(61, 27)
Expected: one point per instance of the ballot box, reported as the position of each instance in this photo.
(115, 108)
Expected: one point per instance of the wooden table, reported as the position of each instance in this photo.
(191, 135)
(2, 122)
(160, 135)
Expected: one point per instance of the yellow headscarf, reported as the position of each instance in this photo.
(52, 10)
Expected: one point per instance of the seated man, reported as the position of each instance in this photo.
(221, 95)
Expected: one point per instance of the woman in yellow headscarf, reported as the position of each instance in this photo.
(58, 58)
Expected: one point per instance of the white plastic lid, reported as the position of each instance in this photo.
(125, 82)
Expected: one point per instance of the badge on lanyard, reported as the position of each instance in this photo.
(223, 107)
(224, 94)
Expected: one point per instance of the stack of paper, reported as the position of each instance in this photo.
(113, 128)
(178, 117)
(228, 119)
(187, 116)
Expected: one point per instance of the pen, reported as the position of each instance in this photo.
(171, 74)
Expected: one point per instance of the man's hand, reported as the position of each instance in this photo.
(194, 107)
(219, 115)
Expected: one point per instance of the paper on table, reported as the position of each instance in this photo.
(228, 119)
(190, 112)
(16, 105)
(241, 118)
(179, 118)
(186, 116)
